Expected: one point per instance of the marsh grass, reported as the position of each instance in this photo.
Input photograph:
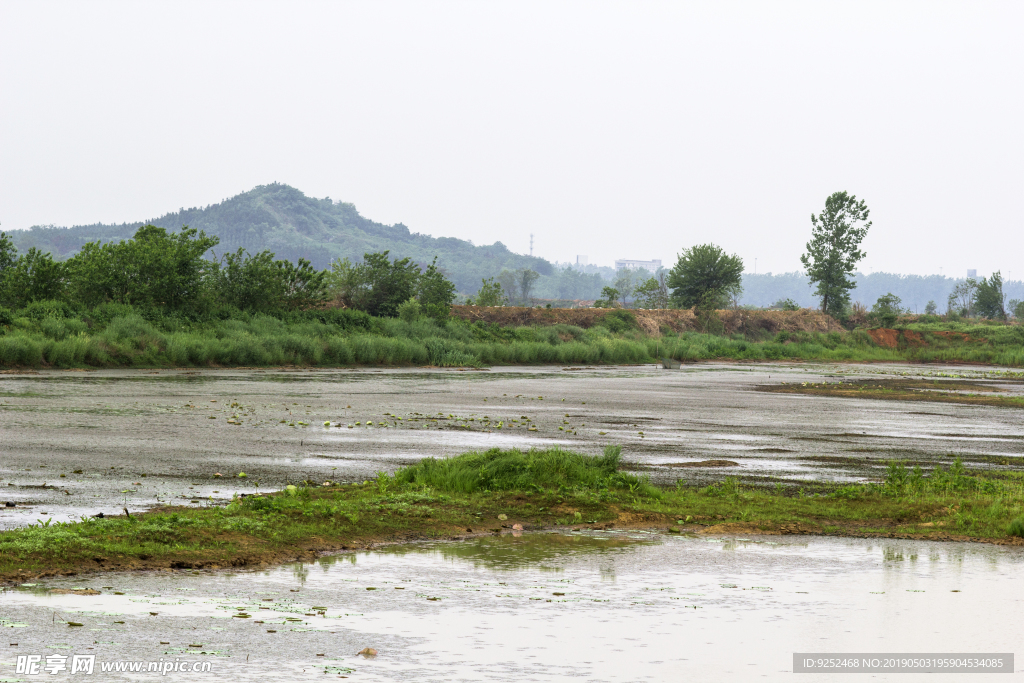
(540, 488)
(531, 471)
(111, 335)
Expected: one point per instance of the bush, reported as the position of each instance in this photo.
(619, 321)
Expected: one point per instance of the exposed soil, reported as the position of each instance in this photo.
(703, 463)
(652, 320)
(938, 391)
(891, 339)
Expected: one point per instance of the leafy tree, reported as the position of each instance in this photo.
(1016, 307)
(625, 282)
(961, 299)
(378, 285)
(989, 298)
(249, 282)
(887, 309)
(436, 293)
(706, 277)
(507, 281)
(834, 250)
(35, 276)
(153, 268)
(304, 285)
(609, 298)
(490, 294)
(8, 253)
(652, 293)
(931, 308)
(525, 279)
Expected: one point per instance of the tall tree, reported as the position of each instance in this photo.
(706, 277)
(989, 301)
(834, 249)
(525, 278)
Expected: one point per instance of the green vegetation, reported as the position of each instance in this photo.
(483, 492)
(705, 277)
(57, 334)
(515, 470)
(834, 250)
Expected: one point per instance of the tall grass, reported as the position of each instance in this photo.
(515, 470)
(118, 335)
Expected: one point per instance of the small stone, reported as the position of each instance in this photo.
(367, 652)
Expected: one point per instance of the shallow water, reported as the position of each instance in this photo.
(611, 606)
(145, 438)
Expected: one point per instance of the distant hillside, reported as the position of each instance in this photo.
(290, 224)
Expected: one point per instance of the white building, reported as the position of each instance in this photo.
(651, 265)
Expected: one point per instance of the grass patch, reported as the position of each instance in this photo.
(484, 492)
(515, 470)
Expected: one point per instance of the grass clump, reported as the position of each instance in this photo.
(1016, 528)
(515, 470)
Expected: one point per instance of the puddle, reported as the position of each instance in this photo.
(610, 606)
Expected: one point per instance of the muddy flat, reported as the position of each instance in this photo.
(612, 606)
(85, 443)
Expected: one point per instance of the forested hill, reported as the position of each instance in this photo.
(290, 224)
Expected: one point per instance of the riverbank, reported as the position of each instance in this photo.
(507, 491)
(110, 336)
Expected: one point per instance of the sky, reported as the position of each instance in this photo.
(612, 129)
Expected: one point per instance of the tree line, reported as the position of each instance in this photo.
(170, 271)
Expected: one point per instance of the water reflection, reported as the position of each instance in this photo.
(513, 552)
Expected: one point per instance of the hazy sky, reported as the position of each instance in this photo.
(613, 129)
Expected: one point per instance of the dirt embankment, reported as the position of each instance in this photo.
(890, 339)
(652, 320)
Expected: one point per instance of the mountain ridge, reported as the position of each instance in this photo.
(284, 220)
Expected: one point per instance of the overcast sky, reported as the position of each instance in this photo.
(612, 129)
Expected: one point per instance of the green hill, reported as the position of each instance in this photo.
(290, 224)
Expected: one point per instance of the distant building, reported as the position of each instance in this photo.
(651, 265)
(582, 260)
(972, 272)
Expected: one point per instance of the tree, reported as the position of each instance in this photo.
(887, 309)
(377, 286)
(706, 277)
(609, 298)
(507, 281)
(436, 293)
(35, 276)
(989, 300)
(625, 282)
(1016, 307)
(834, 250)
(380, 286)
(652, 293)
(153, 268)
(961, 299)
(490, 294)
(8, 253)
(249, 282)
(525, 279)
(931, 308)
